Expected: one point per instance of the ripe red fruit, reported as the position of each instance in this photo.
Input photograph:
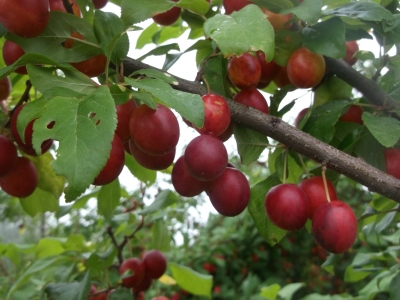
(124, 112)
(184, 183)
(281, 79)
(155, 263)
(229, 193)
(21, 181)
(392, 161)
(5, 88)
(223, 137)
(278, 21)
(244, 71)
(160, 298)
(144, 284)
(93, 290)
(217, 115)
(155, 131)
(206, 157)
(351, 49)
(114, 164)
(26, 146)
(234, 5)
(57, 5)
(305, 69)
(99, 3)
(25, 18)
(11, 53)
(135, 266)
(335, 226)
(152, 162)
(92, 67)
(175, 296)
(300, 116)
(8, 155)
(315, 191)
(169, 17)
(268, 69)
(287, 206)
(252, 98)
(210, 268)
(353, 114)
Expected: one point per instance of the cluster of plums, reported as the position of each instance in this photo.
(138, 274)
(334, 223)
(31, 23)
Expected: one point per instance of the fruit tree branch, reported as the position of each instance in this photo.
(301, 142)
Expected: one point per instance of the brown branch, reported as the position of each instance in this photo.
(301, 142)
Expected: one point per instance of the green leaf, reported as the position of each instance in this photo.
(288, 290)
(367, 11)
(256, 207)
(98, 262)
(48, 180)
(323, 118)
(332, 89)
(192, 281)
(189, 106)
(286, 42)
(274, 5)
(326, 38)
(110, 31)
(386, 130)
(121, 294)
(145, 175)
(270, 292)
(161, 50)
(67, 291)
(49, 247)
(161, 238)
(164, 199)
(108, 199)
(164, 76)
(45, 80)
(85, 144)
(38, 265)
(354, 275)
(58, 30)
(215, 71)
(250, 143)
(120, 93)
(370, 150)
(135, 11)
(308, 11)
(145, 98)
(199, 7)
(249, 27)
(395, 287)
(146, 37)
(39, 202)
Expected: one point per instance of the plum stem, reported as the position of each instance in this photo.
(303, 165)
(328, 198)
(207, 85)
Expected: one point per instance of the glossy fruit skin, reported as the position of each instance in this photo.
(5, 88)
(21, 181)
(57, 5)
(206, 157)
(392, 161)
(124, 112)
(281, 79)
(114, 164)
(217, 115)
(351, 49)
(229, 193)
(26, 146)
(144, 284)
(155, 132)
(99, 3)
(353, 114)
(8, 155)
(234, 5)
(151, 162)
(92, 67)
(244, 71)
(184, 183)
(252, 98)
(278, 21)
(25, 18)
(11, 53)
(169, 17)
(314, 189)
(269, 70)
(137, 268)
(287, 206)
(335, 226)
(227, 133)
(155, 263)
(300, 116)
(305, 69)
